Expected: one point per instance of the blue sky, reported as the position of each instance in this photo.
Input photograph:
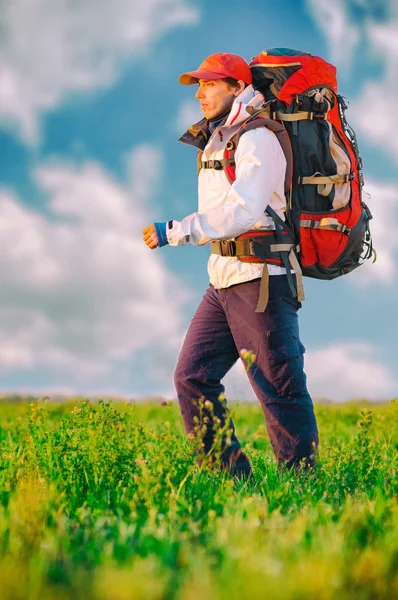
(90, 114)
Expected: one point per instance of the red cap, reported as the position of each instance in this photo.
(218, 66)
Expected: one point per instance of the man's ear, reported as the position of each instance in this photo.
(240, 89)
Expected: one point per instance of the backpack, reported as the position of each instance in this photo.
(325, 206)
(325, 212)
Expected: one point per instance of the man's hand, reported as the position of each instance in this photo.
(150, 237)
(155, 235)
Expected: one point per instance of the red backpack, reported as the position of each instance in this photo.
(325, 206)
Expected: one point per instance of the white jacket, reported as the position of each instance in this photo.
(226, 211)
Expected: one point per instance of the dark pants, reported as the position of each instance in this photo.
(226, 323)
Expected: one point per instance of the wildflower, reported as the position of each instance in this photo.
(247, 501)
(248, 356)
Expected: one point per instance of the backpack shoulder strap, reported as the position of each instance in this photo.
(200, 152)
(282, 137)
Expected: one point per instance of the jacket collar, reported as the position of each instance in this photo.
(198, 134)
(238, 114)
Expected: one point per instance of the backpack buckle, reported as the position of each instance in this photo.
(227, 248)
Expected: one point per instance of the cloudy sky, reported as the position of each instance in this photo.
(90, 114)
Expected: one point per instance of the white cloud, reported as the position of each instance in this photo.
(333, 21)
(338, 372)
(383, 204)
(81, 293)
(373, 114)
(52, 48)
(237, 386)
(189, 113)
(56, 393)
(348, 370)
(379, 97)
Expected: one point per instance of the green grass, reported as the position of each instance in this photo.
(102, 501)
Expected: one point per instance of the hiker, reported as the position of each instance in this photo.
(228, 321)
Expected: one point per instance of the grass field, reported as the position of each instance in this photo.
(103, 501)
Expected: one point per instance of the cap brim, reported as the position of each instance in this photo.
(194, 76)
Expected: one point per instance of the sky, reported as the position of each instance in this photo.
(90, 115)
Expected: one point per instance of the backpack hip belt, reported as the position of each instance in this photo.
(268, 247)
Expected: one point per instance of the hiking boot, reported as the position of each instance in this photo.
(238, 465)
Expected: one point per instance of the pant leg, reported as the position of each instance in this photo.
(207, 354)
(277, 376)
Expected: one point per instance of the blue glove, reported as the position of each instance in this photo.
(160, 229)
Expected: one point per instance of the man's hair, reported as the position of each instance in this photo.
(233, 82)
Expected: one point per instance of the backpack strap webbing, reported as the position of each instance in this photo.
(299, 116)
(292, 256)
(218, 165)
(326, 223)
(325, 183)
(263, 298)
(279, 227)
(200, 153)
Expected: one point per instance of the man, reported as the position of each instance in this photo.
(226, 322)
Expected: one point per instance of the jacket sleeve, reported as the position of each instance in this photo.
(260, 165)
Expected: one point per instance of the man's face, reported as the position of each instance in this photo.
(215, 97)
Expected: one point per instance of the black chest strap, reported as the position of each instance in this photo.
(218, 165)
